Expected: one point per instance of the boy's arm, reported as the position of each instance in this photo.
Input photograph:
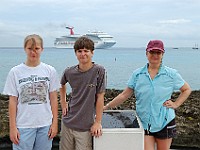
(96, 129)
(63, 102)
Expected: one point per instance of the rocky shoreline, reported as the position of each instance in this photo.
(187, 119)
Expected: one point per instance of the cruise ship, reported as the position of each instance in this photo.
(101, 39)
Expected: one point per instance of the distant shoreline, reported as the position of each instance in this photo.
(11, 47)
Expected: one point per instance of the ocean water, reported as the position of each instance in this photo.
(118, 62)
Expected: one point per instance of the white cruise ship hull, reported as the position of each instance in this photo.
(104, 45)
(99, 45)
(101, 40)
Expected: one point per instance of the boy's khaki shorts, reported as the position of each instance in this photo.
(75, 140)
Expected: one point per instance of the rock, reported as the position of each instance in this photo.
(187, 118)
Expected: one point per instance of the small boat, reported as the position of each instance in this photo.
(195, 46)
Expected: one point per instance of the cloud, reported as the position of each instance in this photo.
(174, 21)
(128, 21)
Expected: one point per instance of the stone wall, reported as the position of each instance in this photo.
(187, 118)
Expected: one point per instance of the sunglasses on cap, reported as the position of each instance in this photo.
(155, 52)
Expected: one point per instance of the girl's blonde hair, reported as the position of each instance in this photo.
(33, 38)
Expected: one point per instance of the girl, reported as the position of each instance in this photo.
(32, 88)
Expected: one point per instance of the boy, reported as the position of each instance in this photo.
(87, 81)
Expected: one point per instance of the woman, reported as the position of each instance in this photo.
(153, 86)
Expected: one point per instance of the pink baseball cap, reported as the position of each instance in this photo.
(155, 45)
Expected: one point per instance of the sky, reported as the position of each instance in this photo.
(132, 22)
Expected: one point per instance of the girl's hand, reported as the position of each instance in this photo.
(14, 135)
(53, 131)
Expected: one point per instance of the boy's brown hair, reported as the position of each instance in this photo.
(84, 42)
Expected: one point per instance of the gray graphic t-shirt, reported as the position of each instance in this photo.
(85, 87)
(31, 86)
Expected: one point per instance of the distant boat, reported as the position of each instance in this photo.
(195, 46)
(101, 39)
(175, 47)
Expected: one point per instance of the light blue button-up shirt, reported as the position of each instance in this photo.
(151, 94)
